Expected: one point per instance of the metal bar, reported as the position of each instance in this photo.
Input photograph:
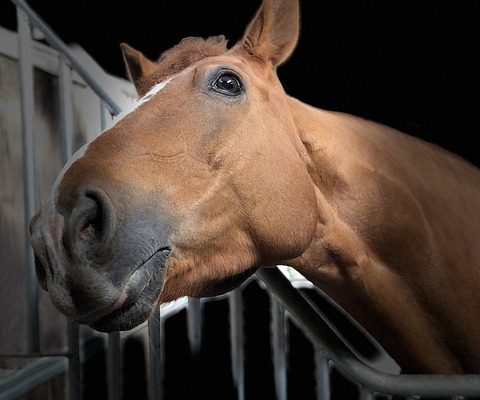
(104, 115)
(28, 148)
(34, 355)
(278, 328)
(237, 341)
(74, 363)
(114, 356)
(58, 44)
(114, 367)
(304, 312)
(66, 108)
(155, 357)
(30, 377)
(365, 394)
(66, 140)
(322, 375)
(40, 372)
(194, 325)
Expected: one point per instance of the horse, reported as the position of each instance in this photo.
(217, 172)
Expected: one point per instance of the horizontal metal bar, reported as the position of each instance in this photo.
(41, 371)
(35, 355)
(59, 45)
(376, 381)
(30, 377)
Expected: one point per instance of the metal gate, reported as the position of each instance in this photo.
(286, 301)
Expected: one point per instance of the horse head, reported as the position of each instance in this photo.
(187, 194)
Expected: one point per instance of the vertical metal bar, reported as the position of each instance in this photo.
(66, 108)
(104, 115)
(322, 375)
(237, 341)
(365, 394)
(28, 148)
(66, 145)
(155, 357)
(74, 365)
(114, 367)
(194, 325)
(62, 48)
(114, 356)
(279, 347)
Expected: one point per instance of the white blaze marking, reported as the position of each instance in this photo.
(146, 97)
(82, 150)
(76, 156)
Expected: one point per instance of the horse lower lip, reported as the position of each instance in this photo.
(136, 308)
(96, 315)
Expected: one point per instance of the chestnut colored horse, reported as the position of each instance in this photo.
(218, 172)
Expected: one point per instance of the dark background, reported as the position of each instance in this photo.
(413, 65)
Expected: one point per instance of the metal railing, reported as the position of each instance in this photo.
(286, 300)
(335, 350)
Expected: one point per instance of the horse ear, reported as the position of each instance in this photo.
(137, 65)
(273, 33)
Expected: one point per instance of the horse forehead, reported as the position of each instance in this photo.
(222, 60)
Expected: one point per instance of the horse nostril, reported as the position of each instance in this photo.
(90, 222)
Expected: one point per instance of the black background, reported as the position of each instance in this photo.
(413, 65)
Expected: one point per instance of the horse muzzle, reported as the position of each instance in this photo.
(102, 265)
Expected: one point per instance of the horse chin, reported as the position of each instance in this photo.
(222, 286)
(143, 292)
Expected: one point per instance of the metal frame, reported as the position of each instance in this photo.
(286, 300)
(370, 380)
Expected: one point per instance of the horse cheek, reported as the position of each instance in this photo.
(285, 223)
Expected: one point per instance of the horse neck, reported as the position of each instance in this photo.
(330, 141)
(379, 231)
(337, 143)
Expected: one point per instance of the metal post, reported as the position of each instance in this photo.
(66, 141)
(74, 365)
(155, 357)
(114, 356)
(66, 108)
(237, 341)
(322, 375)
(194, 326)
(62, 48)
(279, 347)
(28, 148)
(317, 330)
(114, 366)
(366, 394)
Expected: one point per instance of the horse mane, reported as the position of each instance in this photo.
(180, 56)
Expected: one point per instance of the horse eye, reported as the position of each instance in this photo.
(227, 84)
